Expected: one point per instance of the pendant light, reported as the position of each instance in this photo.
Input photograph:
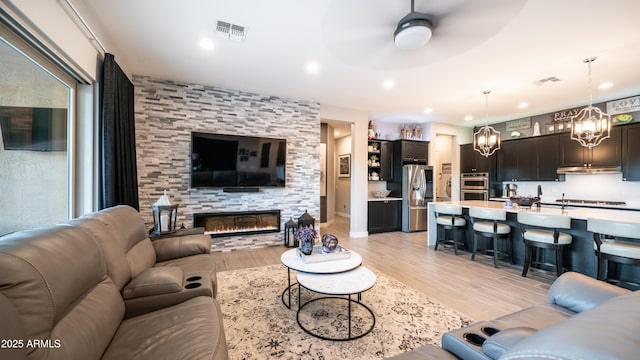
(486, 140)
(590, 125)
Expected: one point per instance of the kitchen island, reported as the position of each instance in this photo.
(580, 256)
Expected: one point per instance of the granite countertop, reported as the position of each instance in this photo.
(575, 212)
(385, 199)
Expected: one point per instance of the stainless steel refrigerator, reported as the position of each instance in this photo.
(417, 191)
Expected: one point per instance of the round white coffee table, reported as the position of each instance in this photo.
(291, 260)
(348, 283)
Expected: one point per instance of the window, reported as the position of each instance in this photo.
(36, 121)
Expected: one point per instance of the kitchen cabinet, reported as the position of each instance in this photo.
(384, 216)
(380, 160)
(517, 160)
(530, 159)
(471, 161)
(631, 152)
(608, 153)
(547, 148)
(410, 152)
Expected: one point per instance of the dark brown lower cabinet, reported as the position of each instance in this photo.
(384, 216)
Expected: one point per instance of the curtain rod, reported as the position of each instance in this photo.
(93, 38)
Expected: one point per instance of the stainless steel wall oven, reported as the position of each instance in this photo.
(474, 186)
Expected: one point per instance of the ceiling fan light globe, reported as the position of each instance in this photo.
(413, 34)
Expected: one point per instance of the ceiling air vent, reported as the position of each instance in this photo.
(230, 31)
(546, 80)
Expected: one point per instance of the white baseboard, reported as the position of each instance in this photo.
(346, 215)
(358, 234)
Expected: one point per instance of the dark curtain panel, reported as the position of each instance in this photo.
(118, 172)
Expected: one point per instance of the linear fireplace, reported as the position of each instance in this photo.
(238, 222)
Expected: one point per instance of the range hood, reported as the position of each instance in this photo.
(589, 170)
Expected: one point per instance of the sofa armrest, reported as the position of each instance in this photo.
(578, 292)
(155, 281)
(181, 246)
(496, 345)
(160, 287)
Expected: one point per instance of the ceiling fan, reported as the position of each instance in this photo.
(414, 30)
(360, 32)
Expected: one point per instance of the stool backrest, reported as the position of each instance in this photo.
(488, 214)
(448, 209)
(542, 220)
(614, 228)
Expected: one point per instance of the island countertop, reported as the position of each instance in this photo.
(580, 257)
(577, 213)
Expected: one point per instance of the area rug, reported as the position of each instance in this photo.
(259, 326)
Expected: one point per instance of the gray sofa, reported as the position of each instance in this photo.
(584, 319)
(98, 288)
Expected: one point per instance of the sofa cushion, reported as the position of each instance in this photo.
(189, 330)
(124, 241)
(536, 317)
(579, 293)
(181, 246)
(608, 331)
(55, 278)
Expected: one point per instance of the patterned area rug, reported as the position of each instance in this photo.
(259, 326)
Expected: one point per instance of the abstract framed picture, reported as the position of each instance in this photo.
(344, 165)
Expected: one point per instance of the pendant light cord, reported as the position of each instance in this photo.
(486, 106)
(589, 61)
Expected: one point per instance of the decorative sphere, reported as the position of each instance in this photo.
(329, 242)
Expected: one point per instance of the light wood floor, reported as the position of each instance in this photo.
(474, 288)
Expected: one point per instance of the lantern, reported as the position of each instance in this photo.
(164, 215)
(306, 220)
(289, 233)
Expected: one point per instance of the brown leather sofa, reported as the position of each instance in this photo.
(98, 287)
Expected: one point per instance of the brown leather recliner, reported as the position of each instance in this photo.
(60, 303)
(150, 274)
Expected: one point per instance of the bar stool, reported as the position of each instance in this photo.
(491, 230)
(544, 239)
(449, 217)
(612, 251)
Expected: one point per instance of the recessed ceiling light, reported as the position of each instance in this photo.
(523, 105)
(428, 110)
(605, 85)
(468, 118)
(312, 67)
(389, 84)
(206, 44)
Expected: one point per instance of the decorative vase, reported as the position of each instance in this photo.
(306, 236)
(329, 243)
(306, 246)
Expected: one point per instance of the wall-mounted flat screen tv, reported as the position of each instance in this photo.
(230, 161)
(33, 128)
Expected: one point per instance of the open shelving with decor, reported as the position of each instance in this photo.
(379, 158)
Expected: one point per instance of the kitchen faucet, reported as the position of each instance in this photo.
(539, 194)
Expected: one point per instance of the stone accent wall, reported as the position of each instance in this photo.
(166, 114)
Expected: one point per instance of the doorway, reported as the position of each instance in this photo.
(335, 189)
(444, 167)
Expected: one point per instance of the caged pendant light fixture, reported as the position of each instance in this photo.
(590, 125)
(486, 140)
